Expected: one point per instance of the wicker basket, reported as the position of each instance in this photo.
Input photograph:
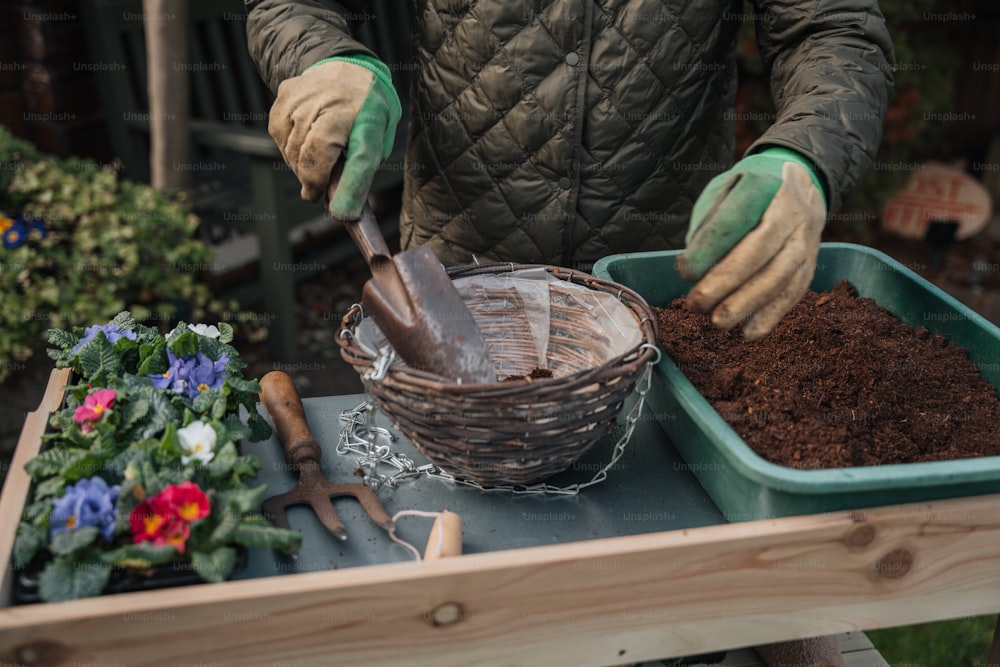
(513, 432)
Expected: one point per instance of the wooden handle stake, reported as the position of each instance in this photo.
(446, 537)
(285, 407)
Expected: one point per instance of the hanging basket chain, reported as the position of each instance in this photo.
(373, 446)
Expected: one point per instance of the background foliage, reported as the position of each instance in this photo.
(111, 245)
(923, 87)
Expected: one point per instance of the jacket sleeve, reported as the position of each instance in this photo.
(830, 67)
(287, 36)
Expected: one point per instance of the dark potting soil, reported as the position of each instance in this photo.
(840, 382)
(535, 374)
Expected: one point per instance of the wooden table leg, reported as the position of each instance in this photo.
(994, 659)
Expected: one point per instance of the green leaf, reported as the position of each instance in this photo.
(225, 332)
(247, 466)
(68, 541)
(223, 461)
(66, 579)
(148, 477)
(185, 345)
(212, 347)
(124, 320)
(243, 500)
(35, 511)
(87, 464)
(236, 430)
(170, 444)
(214, 566)
(50, 488)
(203, 402)
(98, 360)
(48, 463)
(134, 411)
(229, 520)
(62, 339)
(218, 408)
(142, 554)
(257, 533)
(161, 412)
(244, 385)
(27, 543)
(128, 354)
(153, 358)
(260, 430)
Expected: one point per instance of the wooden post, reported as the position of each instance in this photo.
(165, 25)
(994, 659)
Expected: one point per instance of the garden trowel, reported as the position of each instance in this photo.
(413, 301)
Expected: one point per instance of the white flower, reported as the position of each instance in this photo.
(207, 330)
(198, 441)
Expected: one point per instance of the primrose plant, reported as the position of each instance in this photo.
(141, 466)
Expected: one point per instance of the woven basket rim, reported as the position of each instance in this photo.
(626, 363)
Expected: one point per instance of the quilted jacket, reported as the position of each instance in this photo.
(561, 131)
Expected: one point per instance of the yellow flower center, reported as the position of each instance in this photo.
(152, 523)
(71, 522)
(188, 511)
(166, 373)
(202, 387)
(98, 409)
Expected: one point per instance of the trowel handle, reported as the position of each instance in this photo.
(367, 235)
(365, 232)
(279, 396)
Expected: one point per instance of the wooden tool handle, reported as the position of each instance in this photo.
(446, 537)
(279, 396)
(365, 232)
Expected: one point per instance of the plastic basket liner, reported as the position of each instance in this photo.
(532, 305)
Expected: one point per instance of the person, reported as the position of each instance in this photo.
(561, 132)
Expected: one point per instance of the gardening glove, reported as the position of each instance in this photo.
(753, 241)
(341, 103)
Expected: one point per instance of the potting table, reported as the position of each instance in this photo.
(639, 567)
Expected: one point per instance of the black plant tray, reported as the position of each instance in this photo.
(122, 580)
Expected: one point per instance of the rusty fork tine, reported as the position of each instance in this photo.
(370, 503)
(274, 511)
(327, 515)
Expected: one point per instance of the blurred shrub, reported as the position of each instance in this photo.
(81, 244)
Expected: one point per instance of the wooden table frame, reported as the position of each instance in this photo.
(598, 602)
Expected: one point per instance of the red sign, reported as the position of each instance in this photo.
(938, 191)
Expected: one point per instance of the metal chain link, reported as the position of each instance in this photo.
(372, 445)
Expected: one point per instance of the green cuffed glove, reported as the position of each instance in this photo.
(753, 241)
(345, 103)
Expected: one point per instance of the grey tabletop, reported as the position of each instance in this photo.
(649, 489)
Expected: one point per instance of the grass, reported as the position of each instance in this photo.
(962, 642)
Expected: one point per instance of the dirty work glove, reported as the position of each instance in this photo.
(344, 102)
(753, 240)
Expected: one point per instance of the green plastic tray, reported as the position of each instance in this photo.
(744, 485)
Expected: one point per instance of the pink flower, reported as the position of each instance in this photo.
(94, 407)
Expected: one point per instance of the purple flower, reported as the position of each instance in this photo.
(189, 376)
(13, 233)
(15, 236)
(89, 502)
(110, 331)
